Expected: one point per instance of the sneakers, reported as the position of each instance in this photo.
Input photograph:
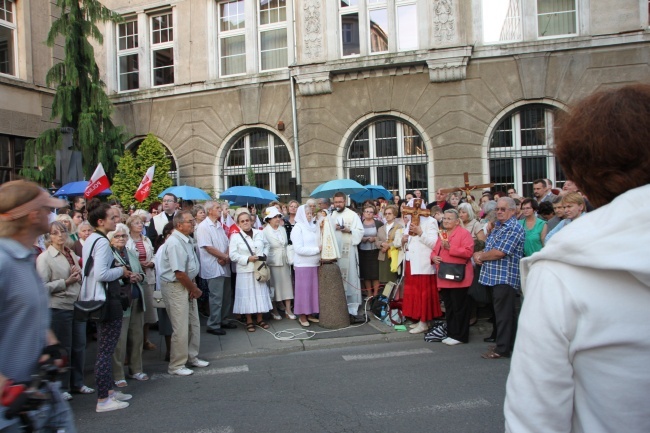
(120, 396)
(451, 342)
(181, 371)
(198, 363)
(110, 404)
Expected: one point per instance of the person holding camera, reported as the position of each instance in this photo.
(133, 319)
(103, 270)
(24, 212)
(246, 248)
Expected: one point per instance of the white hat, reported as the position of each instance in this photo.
(271, 212)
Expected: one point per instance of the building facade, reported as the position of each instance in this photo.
(404, 93)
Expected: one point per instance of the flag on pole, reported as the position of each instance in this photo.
(98, 182)
(145, 186)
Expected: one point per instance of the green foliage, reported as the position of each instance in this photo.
(80, 101)
(130, 172)
(126, 180)
(151, 152)
(250, 176)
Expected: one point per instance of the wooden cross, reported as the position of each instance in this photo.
(467, 188)
(416, 212)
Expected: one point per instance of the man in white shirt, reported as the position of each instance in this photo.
(215, 267)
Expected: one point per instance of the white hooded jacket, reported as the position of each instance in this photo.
(581, 359)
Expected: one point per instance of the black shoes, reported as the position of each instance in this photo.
(229, 325)
(490, 340)
(218, 331)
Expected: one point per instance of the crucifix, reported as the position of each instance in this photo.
(467, 188)
(416, 212)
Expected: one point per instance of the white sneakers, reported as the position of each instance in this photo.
(181, 371)
(451, 342)
(199, 363)
(115, 401)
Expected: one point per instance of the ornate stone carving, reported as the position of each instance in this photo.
(451, 69)
(313, 39)
(444, 26)
(314, 84)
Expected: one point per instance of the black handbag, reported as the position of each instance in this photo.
(90, 311)
(451, 271)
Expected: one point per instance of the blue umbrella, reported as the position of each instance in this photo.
(328, 189)
(186, 192)
(245, 195)
(372, 192)
(73, 189)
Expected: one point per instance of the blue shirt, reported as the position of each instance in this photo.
(508, 238)
(24, 314)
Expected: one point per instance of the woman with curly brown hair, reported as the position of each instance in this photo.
(583, 340)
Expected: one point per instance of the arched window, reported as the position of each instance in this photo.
(263, 155)
(520, 150)
(390, 153)
(173, 170)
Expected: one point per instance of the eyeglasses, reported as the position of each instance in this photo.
(245, 221)
(278, 216)
(192, 221)
(121, 236)
(501, 209)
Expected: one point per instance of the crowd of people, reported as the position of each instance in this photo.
(165, 264)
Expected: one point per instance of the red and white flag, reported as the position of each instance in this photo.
(98, 182)
(145, 186)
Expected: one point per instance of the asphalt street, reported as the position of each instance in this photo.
(402, 386)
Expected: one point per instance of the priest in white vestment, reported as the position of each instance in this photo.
(348, 232)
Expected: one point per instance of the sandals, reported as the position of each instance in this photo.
(276, 316)
(290, 316)
(140, 376)
(83, 390)
(262, 324)
(305, 323)
(313, 319)
(250, 327)
(148, 345)
(492, 355)
(121, 383)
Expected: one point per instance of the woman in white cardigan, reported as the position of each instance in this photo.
(251, 296)
(421, 301)
(276, 237)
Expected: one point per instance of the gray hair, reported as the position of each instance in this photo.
(118, 228)
(83, 224)
(467, 208)
(209, 205)
(179, 217)
(312, 202)
(509, 202)
(453, 212)
(489, 206)
(325, 200)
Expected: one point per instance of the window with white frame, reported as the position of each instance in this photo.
(520, 150)
(162, 49)
(349, 22)
(266, 155)
(7, 37)
(127, 55)
(407, 28)
(556, 18)
(501, 21)
(388, 152)
(378, 26)
(232, 38)
(273, 34)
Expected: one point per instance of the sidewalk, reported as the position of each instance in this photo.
(283, 336)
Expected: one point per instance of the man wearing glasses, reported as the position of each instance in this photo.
(178, 268)
(169, 205)
(504, 247)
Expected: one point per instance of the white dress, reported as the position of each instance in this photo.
(277, 260)
(251, 296)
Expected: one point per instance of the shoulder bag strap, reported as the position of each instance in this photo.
(246, 242)
(90, 260)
